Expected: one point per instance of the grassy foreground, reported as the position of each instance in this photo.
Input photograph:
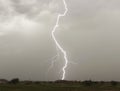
(62, 86)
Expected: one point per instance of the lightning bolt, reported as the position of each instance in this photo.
(56, 42)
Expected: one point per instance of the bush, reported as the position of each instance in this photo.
(114, 83)
(87, 83)
(14, 81)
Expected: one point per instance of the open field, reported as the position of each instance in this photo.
(61, 86)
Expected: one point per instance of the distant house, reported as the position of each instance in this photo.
(3, 81)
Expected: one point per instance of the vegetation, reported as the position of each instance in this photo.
(16, 85)
(14, 81)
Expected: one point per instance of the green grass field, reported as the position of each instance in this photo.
(59, 87)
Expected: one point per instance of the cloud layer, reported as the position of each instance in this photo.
(25, 39)
(89, 33)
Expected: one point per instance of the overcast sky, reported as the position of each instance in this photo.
(90, 34)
